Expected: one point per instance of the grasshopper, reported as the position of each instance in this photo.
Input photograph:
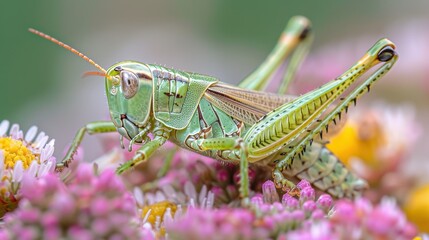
(241, 124)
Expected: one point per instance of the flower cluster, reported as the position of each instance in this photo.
(270, 216)
(88, 207)
(20, 154)
(197, 198)
(359, 219)
(266, 217)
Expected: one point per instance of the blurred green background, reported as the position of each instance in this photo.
(41, 83)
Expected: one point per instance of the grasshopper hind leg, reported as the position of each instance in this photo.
(293, 46)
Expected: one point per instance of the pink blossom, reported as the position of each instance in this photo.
(87, 207)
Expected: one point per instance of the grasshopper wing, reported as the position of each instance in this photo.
(242, 104)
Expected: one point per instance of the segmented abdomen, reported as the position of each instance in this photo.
(325, 171)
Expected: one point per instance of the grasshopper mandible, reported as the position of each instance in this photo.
(238, 124)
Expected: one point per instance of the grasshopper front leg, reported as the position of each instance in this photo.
(161, 135)
(90, 128)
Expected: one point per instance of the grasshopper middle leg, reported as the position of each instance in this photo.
(231, 144)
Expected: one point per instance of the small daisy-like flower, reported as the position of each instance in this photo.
(21, 154)
(157, 209)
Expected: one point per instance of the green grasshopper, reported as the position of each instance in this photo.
(240, 124)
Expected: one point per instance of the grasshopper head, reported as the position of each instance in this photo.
(128, 90)
(129, 95)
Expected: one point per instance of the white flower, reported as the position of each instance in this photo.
(22, 154)
(18, 172)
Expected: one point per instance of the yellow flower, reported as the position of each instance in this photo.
(417, 208)
(359, 139)
(379, 137)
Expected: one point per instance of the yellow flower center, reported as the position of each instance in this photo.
(14, 150)
(158, 210)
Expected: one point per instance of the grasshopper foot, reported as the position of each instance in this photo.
(125, 167)
(281, 182)
(59, 167)
(294, 192)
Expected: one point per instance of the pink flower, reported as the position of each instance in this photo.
(224, 223)
(88, 207)
(384, 221)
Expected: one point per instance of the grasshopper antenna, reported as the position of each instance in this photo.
(93, 73)
(81, 55)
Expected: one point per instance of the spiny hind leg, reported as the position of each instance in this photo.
(90, 128)
(236, 144)
(293, 44)
(312, 164)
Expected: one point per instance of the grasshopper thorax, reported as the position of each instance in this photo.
(129, 95)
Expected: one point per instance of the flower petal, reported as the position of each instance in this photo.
(210, 200)
(41, 143)
(14, 130)
(52, 142)
(39, 137)
(46, 153)
(138, 195)
(31, 133)
(32, 170)
(203, 195)
(18, 171)
(168, 216)
(1, 163)
(44, 168)
(4, 126)
(169, 191)
(190, 191)
(20, 135)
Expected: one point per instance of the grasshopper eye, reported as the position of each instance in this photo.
(129, 84)
(386, 54)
